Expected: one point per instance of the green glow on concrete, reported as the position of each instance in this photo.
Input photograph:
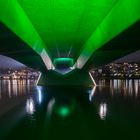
(63, 66)
(83, 25)
(13, 16)
(123, 14)
(66, 23)
(68, 61)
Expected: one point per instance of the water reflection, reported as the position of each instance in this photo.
(9, 88)
(50, 107)
(91, 93)
(126, 87)
(136, 87)
(30, 106)
(12, 88)
(60, 107)
(39, 89)
(117, 89)
(103, 111)
(15, 87)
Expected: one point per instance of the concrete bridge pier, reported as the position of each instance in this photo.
(76, 77)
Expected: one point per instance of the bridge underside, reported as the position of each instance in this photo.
(122, 45)
(125, 43)
(74, 35)
(12, 46)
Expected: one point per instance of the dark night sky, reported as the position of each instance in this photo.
(6, 62)
(133, 57)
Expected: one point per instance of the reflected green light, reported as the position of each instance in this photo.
(64, 111)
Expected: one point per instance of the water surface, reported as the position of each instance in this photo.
(110, 110)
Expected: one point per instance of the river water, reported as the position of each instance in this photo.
(111, 110)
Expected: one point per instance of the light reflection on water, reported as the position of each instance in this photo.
(15, 87)
(39, 89)
(125, 87)
(53, 110)
(50, 107)
(102, 94)
(103, 111)
(30, 106)
(91, 93)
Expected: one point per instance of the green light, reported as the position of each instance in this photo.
(124, 14)
(62, 26)
(63, 111)
(14, 17)
(65, 23)
(63, 61)
(63, 66)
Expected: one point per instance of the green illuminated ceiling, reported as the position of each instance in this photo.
(63, 24)
(68, 28)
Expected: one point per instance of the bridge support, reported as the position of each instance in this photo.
(76, 77)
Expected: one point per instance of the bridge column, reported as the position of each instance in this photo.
(76, 77)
